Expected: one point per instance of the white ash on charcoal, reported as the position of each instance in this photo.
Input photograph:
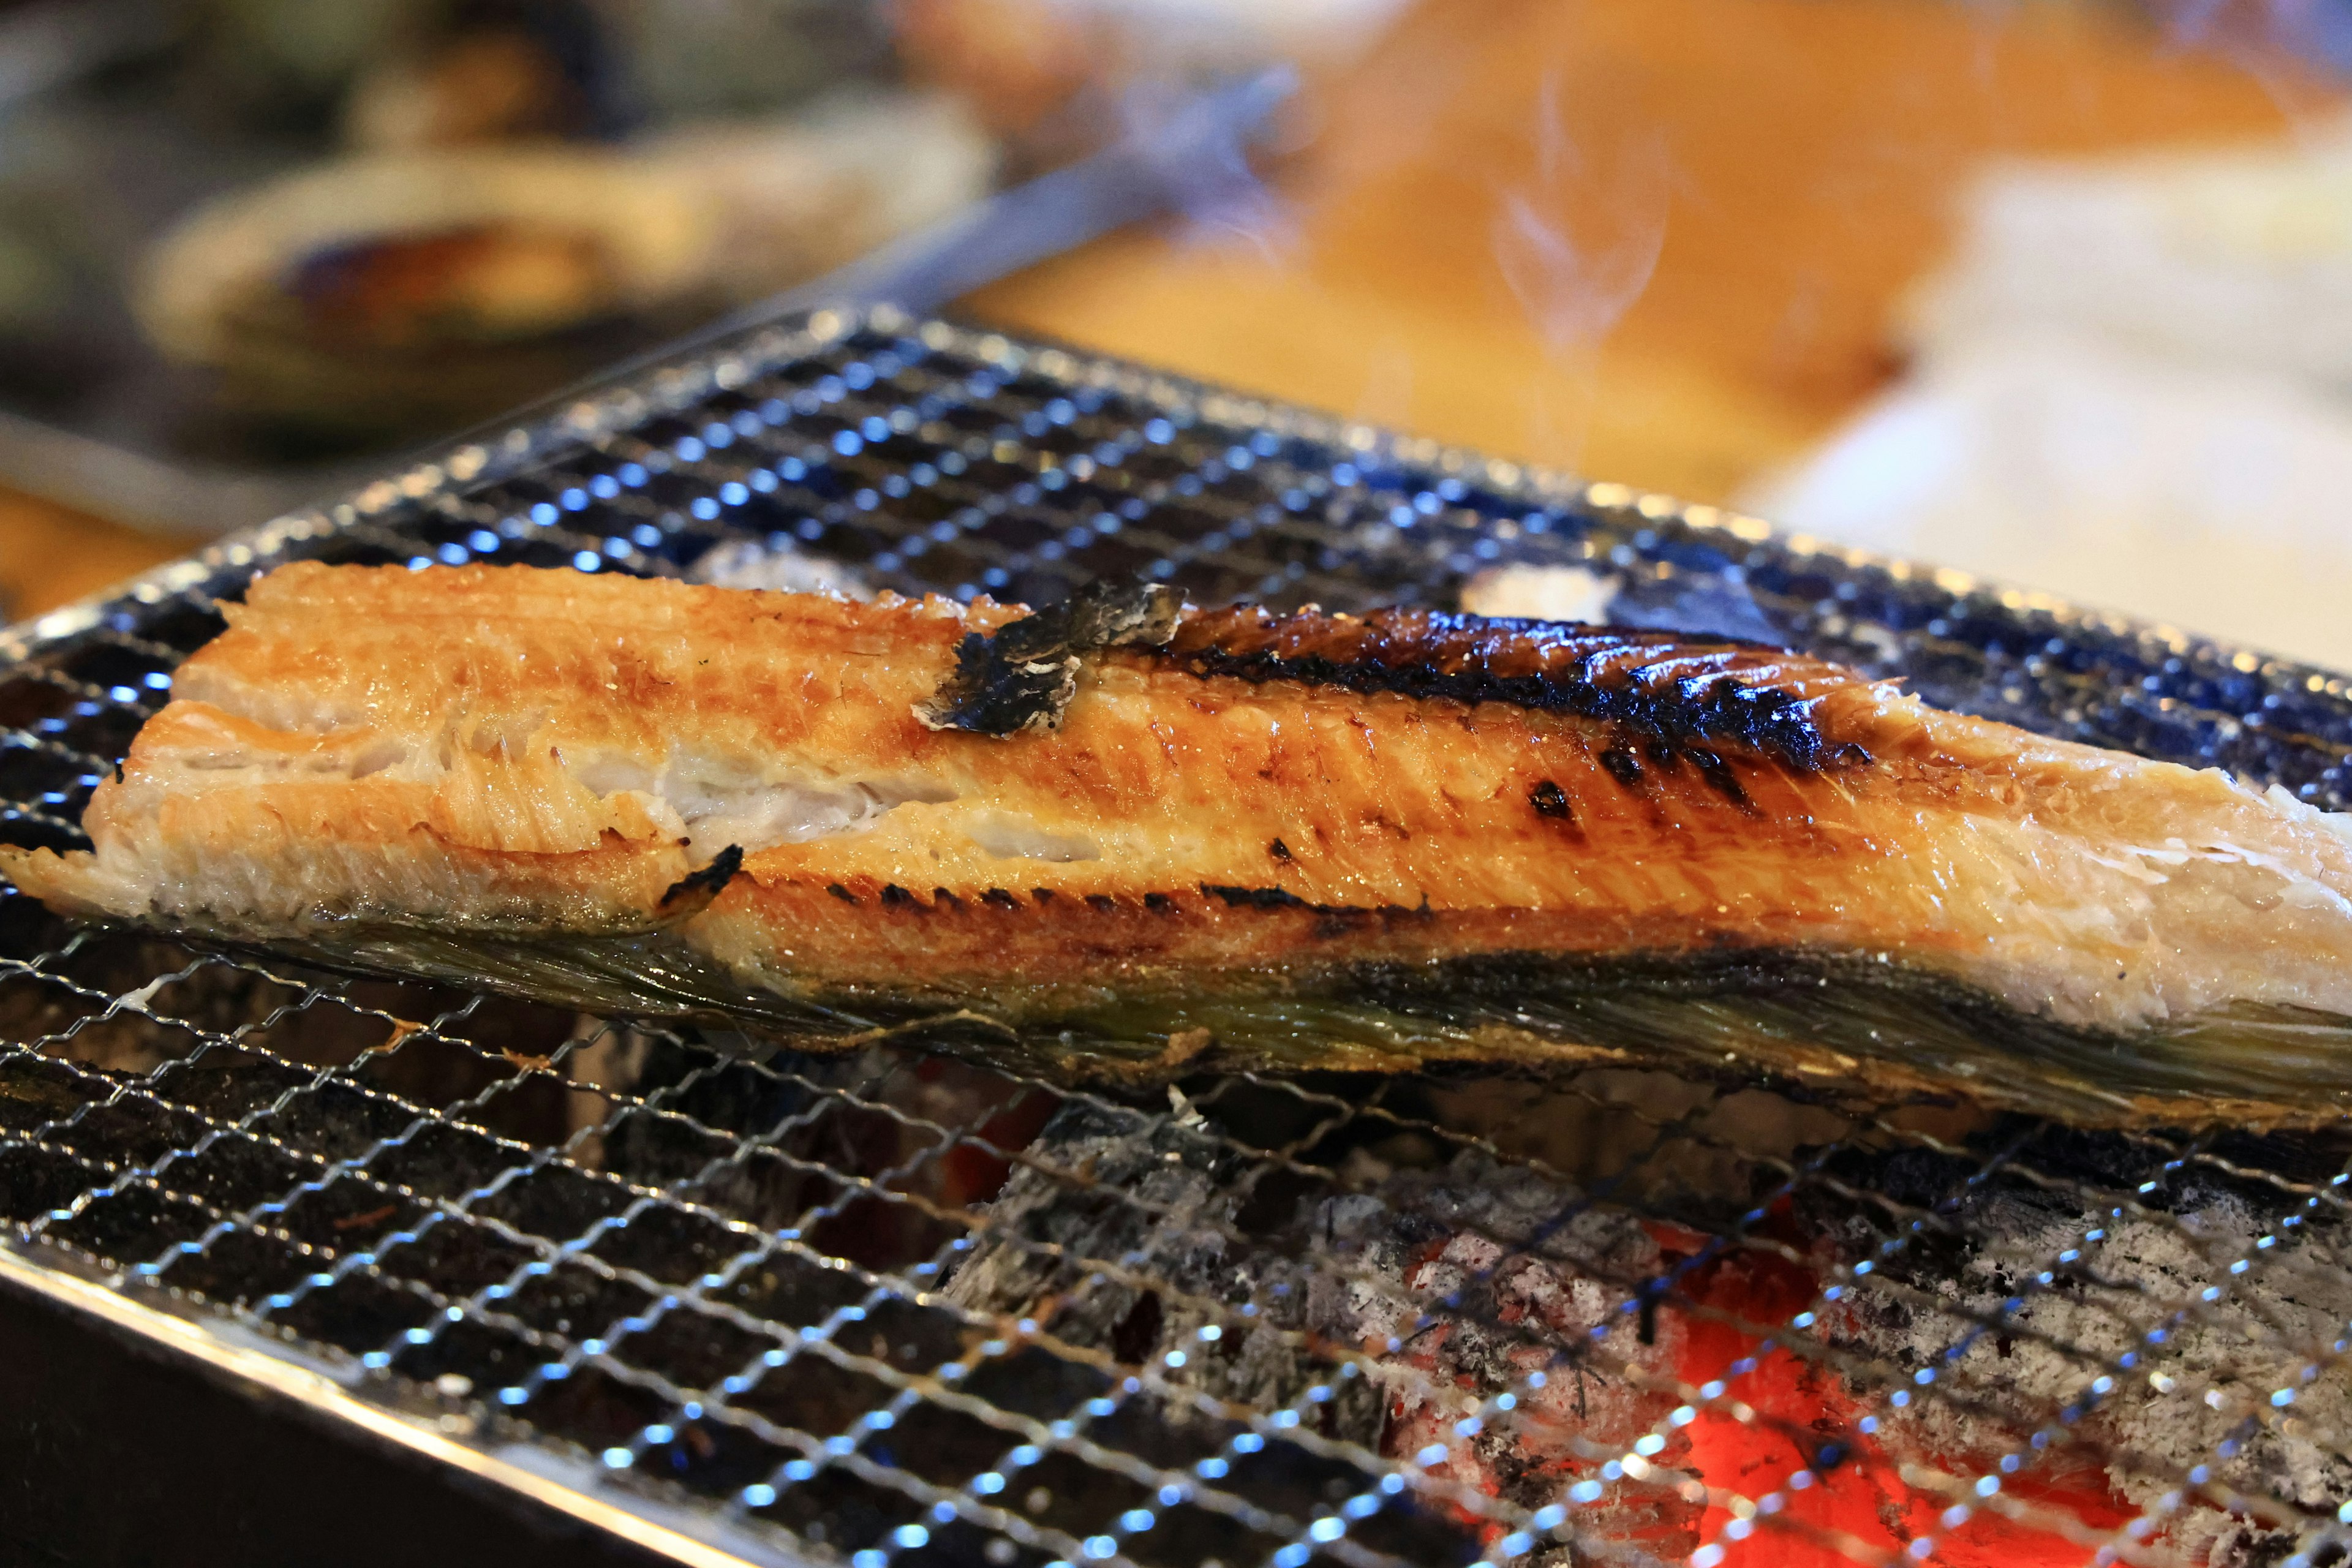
(1482, 1279)
(1457, 1282)
(2202, 1395)
(1460, 1284)
(1120, 1235)
(778, 564)
(1129, 1239)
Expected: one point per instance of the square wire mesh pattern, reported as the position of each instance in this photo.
(899, 1310)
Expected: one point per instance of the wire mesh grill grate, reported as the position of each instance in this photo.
(899, 1310)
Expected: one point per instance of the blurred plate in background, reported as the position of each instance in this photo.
(249, 248)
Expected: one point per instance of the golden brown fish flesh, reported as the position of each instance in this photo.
(1096, 831)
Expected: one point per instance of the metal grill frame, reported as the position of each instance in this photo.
(1360, 515)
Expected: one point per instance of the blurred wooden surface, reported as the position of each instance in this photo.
(1496, 179)
(52, 555)
(1658, 240)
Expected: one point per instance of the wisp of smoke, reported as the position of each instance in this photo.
(1577, 244)
(1575, 286)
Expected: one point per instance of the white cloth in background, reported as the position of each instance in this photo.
(2133, 387)
(2219, 502)
(2240, 256)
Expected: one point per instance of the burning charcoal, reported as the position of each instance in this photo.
(1509, 1333)
(1149, 1262)
(1463, 1284)
(1481, 1280)
(2117, 1346)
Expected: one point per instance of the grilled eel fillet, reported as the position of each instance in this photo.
(1328, 840)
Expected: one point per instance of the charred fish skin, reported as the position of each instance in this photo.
(1023, 676)
(1320, 837)
(1682, 695)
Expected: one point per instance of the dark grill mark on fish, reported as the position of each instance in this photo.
(1159, 903)
(896, 898)
(706, 884)
(1595, 672)
(1622, 765)
(1551, 800)
(1279, 851)
(1254, 898)
(942, 899)
(1023, 674)
(1043, 895)
(1101, 903)
(999, 899)
(1332, 919)
(1333, 922)
(838, 891)
(1718, 774)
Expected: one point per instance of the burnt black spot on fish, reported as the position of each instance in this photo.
(1101, 903)
(1622, 765)
(1001, 898)
(701, 887)
(1347, 916)
(1719, 777)
(1254, 898)
(1043, 895)
(942, 899)
(1279, 851)
(1159, 903)
(1661, 754)
(1851, 755)
(838, 891)
(1023, 674)
(1551, 800)
(1607, 673)
(896, 898)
